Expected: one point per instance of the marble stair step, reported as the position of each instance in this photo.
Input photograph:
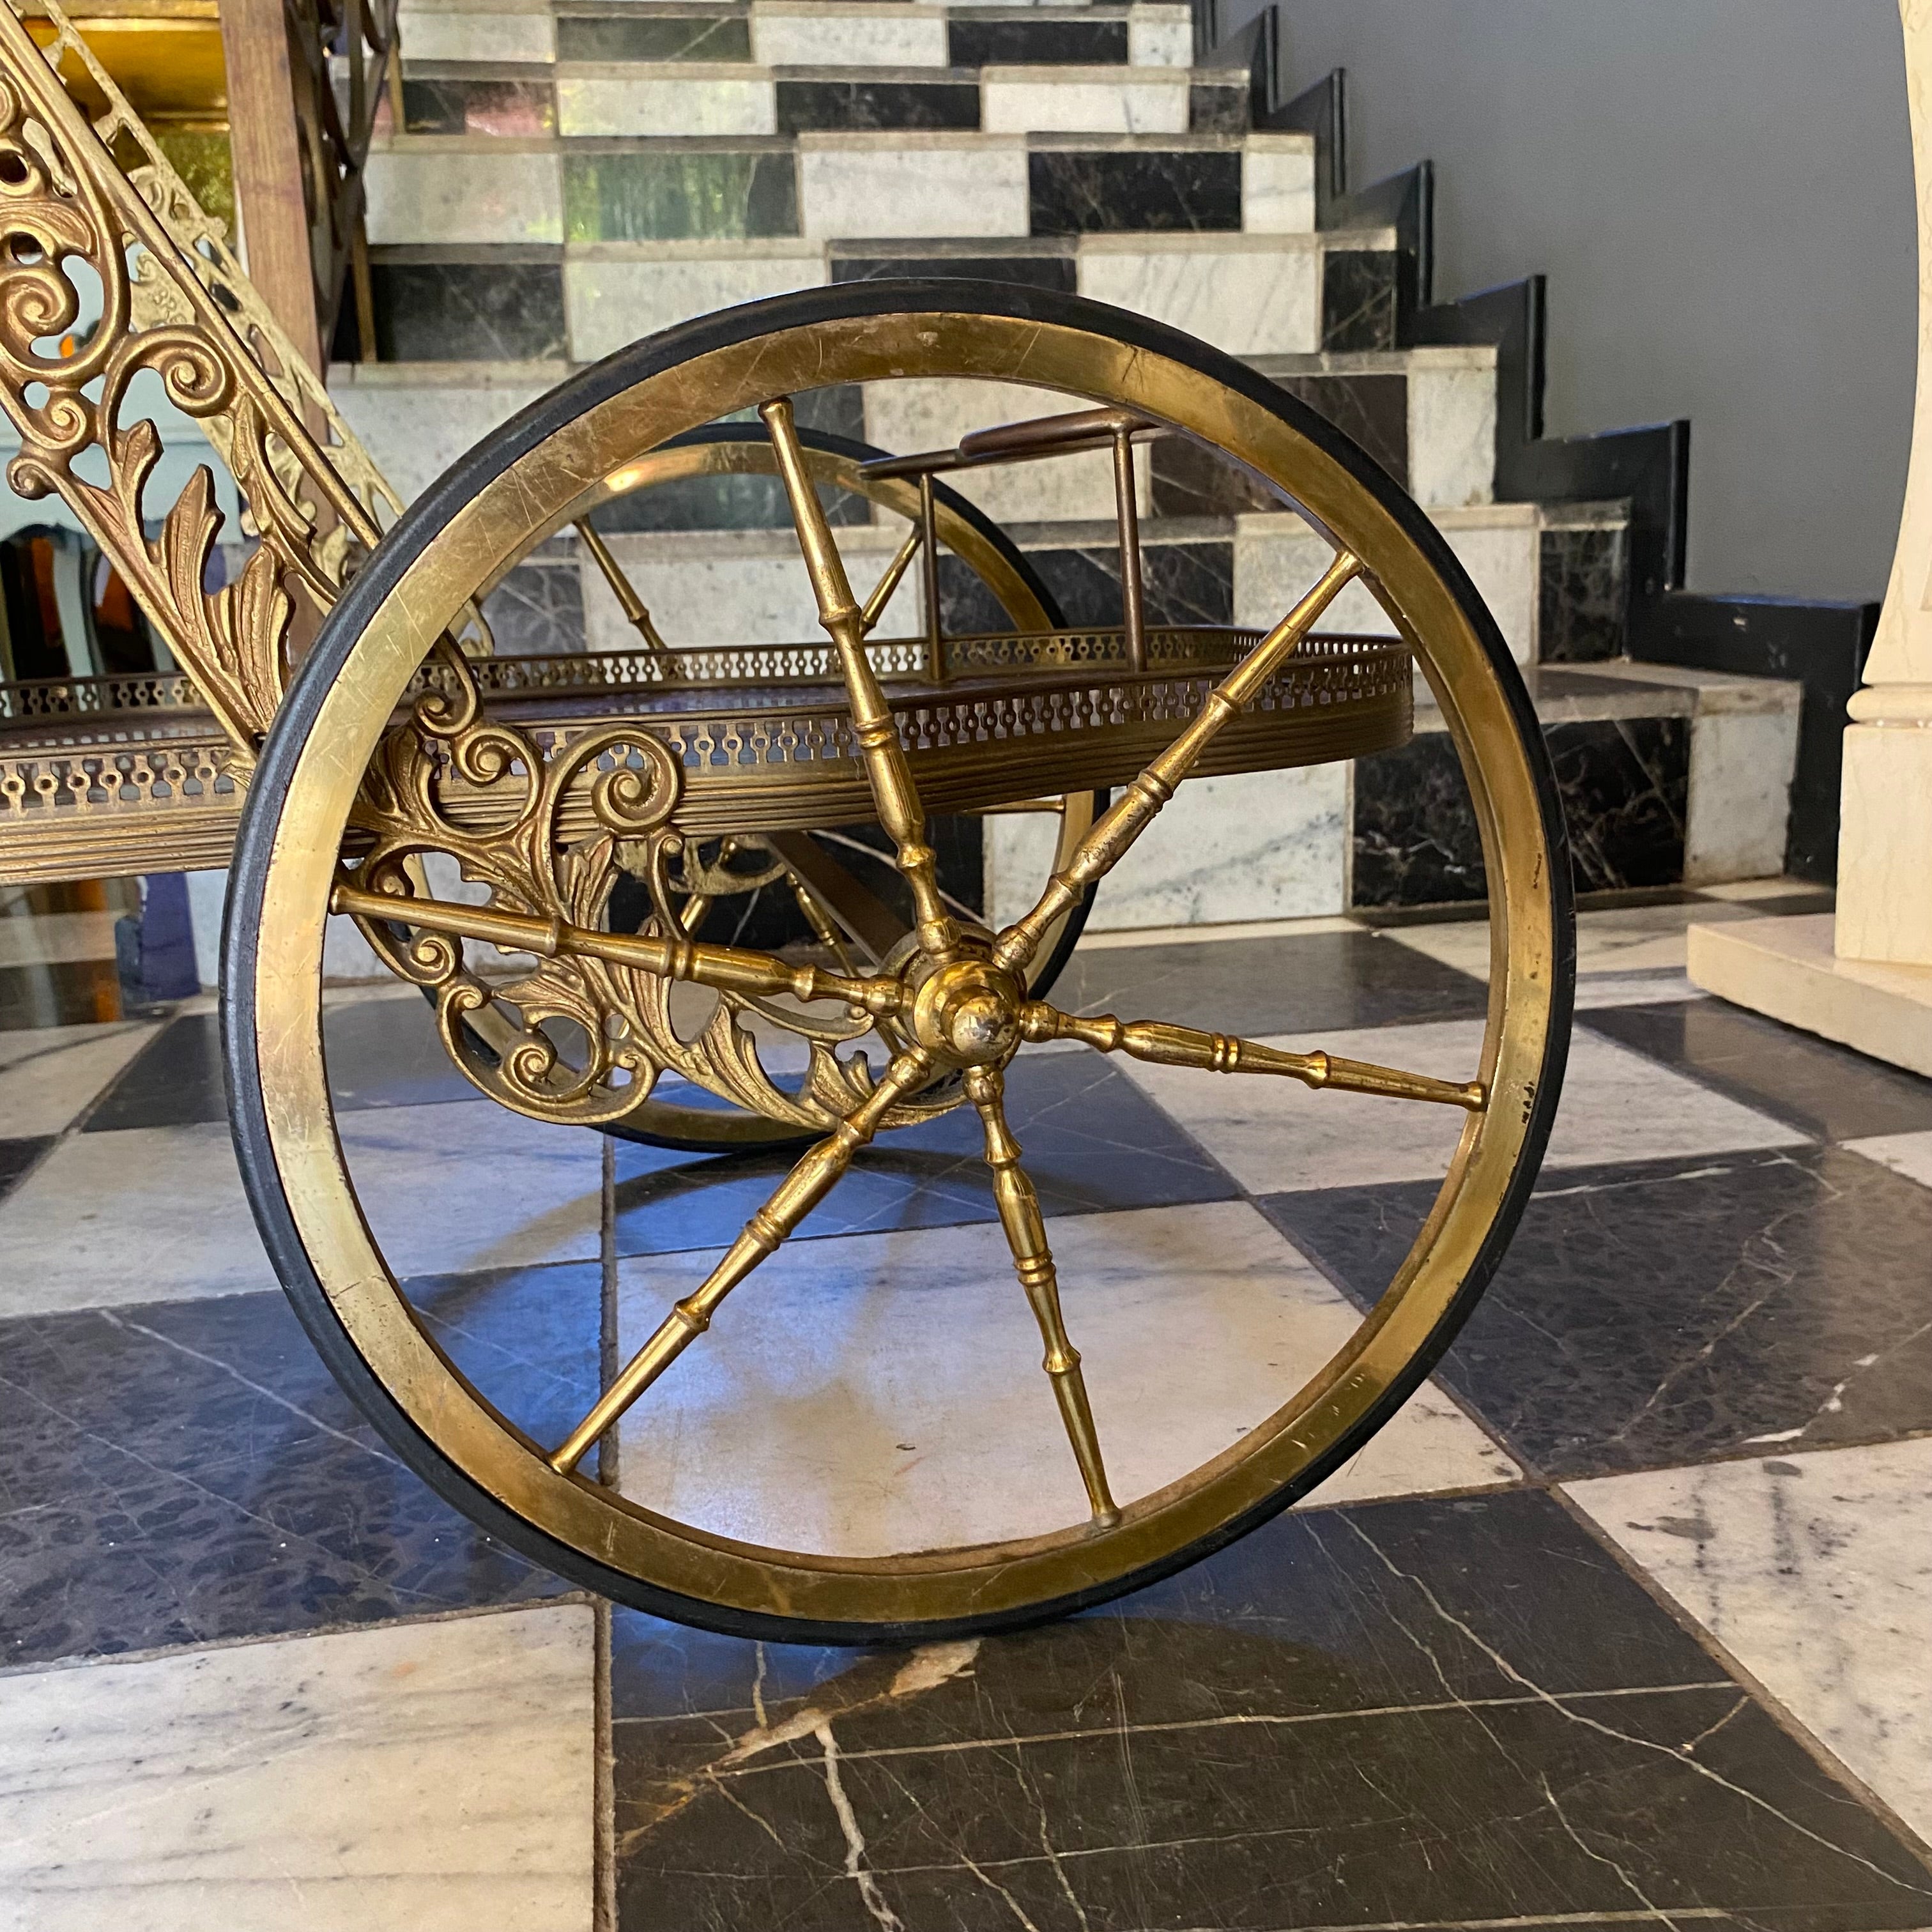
(802, 33)
(543, 190)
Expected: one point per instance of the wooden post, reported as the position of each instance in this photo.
(266, 140)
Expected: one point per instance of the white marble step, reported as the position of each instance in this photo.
(785, 33)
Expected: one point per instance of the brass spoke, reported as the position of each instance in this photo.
(729, 968)
(635, 612)
(1130, 814)
(1161, 1044)
(887, 767)
(860, 911)
(895, 572)
(1033, 1262)
(800, 1192)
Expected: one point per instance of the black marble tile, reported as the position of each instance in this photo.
(1667, 1312)
(185, 1472)
(681, 194)
(1424, 1715)
(1373, 409)
(629, 35)
(1415, 836)
(1326, 980)
(1182, 583)
(1032, 269)
(1359, 303)
(537, 610)
(381, 1053)
(1188, 479)
(1093, 1141)
(497, 311)
(1827, 1092)
(1021, 42)
(1583, 595)
(72, 992)
(1625, 784)
(803, 105)
(1089, 190)
(16, 1156)
(448, 106)
(1219, 107)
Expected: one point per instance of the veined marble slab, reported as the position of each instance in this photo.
(416, 423)
(1251, 296)
(1742, 766)
(48, 1076)
(612, 301)
(840, 1412)
(1276, 1136)
(438, 1776)
(1629, 940)
(469, 194)
(1160, 37)
(814, 34)
(1278, 184)
(904, 185)
(1452, 427)
(738, 586)
(921, 413)
(468, 33)
(1083, 101)
(1908, 1154)
(1256, 845)
(1813, 1571)
(682, 99)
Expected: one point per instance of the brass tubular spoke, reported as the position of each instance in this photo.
(634, 613)
(1033, 1262)
(1133, 612)
(887, 767)
(800, 1192)
(1164, 1045)
(1130, 814)
(896, 570)
(729, 968)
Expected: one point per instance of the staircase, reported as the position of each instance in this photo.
(567, 175)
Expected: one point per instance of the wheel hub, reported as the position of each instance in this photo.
(967, 1014)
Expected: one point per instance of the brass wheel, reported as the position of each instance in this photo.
(350, 789)
(709, 878)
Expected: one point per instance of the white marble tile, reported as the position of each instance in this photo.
(1452, 431)
(738, 586)
(1760, 889)
(1249, 301)
(438, 1776)
(1277, 557)
(1908, 1154)
(832, 1406)
(1160, 37)
(1742, 764)
(1258, 845)
(1500, 547)
(439, 34)
(51, 938)
(1278, 184)
(610, 303)
(1631, 940)
(158, 1214)
(694, 99)
(1276, 1135)
(1082, 101)
(921, 414)
(415, 431)
(872, 35)
(468, 195)
(1814, 1573)
(50, 1076)
(1597, 990)
(903, 185)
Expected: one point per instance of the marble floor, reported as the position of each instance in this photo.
(1626, 1619)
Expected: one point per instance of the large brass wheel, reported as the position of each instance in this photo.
(389, 748)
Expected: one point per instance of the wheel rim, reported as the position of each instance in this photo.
(294, 1162)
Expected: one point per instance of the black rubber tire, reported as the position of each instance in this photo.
(390, 559)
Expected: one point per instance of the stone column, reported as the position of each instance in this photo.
(1864, 976)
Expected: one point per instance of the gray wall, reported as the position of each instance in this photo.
(1720, 194)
